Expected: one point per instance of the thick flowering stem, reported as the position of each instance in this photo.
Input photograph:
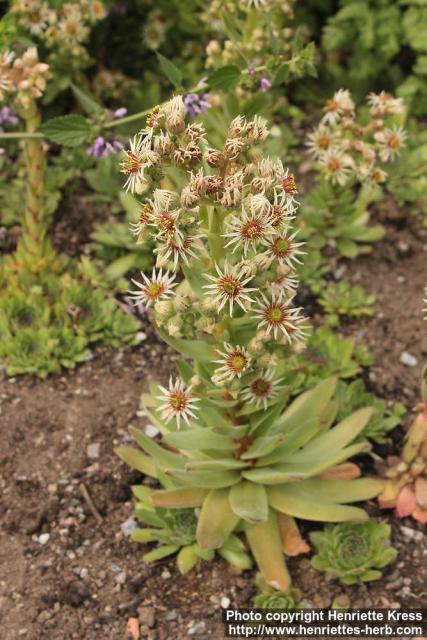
(32, 246)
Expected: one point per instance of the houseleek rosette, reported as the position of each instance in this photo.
(353, 551)
(222, 295)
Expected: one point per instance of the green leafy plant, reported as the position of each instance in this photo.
(175, 532)
(341, 299)
(352, 396)
(327, 354)
(353, 551)
(269, 598)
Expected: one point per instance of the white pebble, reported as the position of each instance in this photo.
(408, 359)
(151, 431)
(225, 602)
(44, 538)
(92, 450)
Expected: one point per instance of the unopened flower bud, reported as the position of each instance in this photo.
(236, 127)
(164, 308)
(189, 199)
(233, 147)
(163, 144)
(214, 158)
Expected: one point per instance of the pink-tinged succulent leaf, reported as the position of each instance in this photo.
(293, 544)
(266, 546)
(421, 492)
(388, 497)
(420, 515)
(345, 471)
(406, 503)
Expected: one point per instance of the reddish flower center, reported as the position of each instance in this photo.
(178, 401)
(261, 387)
(289, 185)
(154, 290)
(132, 163)
(252, 230)
(323, 142)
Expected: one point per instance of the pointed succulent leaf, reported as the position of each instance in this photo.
(185, 497)
(197, 350)
(292, 441)
(216, 520)
(234, 552)
(266, 546)
(335, 439)
(146, 535)
(164, 457)
(308, 405)
(200, 439)
(148, 517)
(273, 475)
(205, 479)
(313, 466)
(328, 416)
(292, 542)
(204, 554)
(137, 460)
(262, 446)
(160, 553)
(287, 499)
(340, 491)
(249, 501)
(142, 493)
(211, 465)
(262, 422)
(186, 559)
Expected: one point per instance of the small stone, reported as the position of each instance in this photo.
(84, 573)
(129, 526)
(408, 359)
(120, 578)
(92, 451)
(412, 534)
(171, 615)
(44, 538)
(151, 431)
(225, 602)
(22, 632)
(196, 628)
(146, 616)
(140, 336)
(166, 574)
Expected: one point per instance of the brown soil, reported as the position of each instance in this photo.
(88, 578)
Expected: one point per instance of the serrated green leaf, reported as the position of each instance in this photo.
(224, 78)
(70, 131)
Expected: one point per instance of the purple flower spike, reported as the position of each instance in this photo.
(8, 118)
(102, 148)
(120, 112)
(196, 103)
(264, 84)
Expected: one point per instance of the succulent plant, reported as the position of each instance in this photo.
(353, 395)
(353, 551)
(175, 532)
(269, 598)
(259, 469)
(341, 299)
(229, 443)
(406, 486)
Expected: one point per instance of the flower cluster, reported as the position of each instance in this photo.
(225, 223)
(65, 27)
(347, 150)
(22, 79)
